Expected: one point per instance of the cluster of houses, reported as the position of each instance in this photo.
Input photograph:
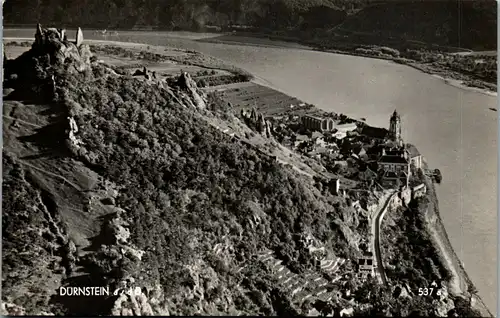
(382, 153)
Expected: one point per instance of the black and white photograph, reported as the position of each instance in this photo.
(333, 158)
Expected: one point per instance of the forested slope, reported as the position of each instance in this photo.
(466, 24)
(183, 188)
(469, 24)
(185, 14)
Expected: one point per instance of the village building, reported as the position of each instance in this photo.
(360, 151)
(374, 133)
(317, 135)
(415, 157)
(419, 191)
(346, 127)
(318, 123)
(394, 166)
(395, 162)
(368, 175)
(299, 140)
(339, 135)
(366, 266)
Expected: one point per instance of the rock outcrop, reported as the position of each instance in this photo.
(135, 297)
(79, 38)
(257, 122)
(10, 309)
(72, 131)
(444, 303)
(132, 302)
(54, 42)
(147, 74)
(31, 75)
(191, 94)
(405, 196)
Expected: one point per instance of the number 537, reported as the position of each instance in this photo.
(427, 291)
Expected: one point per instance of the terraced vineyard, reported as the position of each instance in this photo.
(312, 285)
(264, 99)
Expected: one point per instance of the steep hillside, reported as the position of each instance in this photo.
(159, 194)
(185, 14)
(467, 24)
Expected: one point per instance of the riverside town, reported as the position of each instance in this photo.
(249, 158)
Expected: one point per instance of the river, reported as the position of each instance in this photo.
(453, 127)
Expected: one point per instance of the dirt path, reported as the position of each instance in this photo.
(22, 121)
(63, 179)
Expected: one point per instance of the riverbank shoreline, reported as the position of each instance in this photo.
(450, 77)
(460, 284)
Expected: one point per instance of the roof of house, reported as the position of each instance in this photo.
(393, 159)
(367, 174)
(301, 137)
(413, 151)
(313, 117)
(397, 153)
(317, 135)
(340, 134)
(357, 147)
(321, 150)
(333, 146)
(345, 127)
(375, 150)
(374, 132)
(394, 175)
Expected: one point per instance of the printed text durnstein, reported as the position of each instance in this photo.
(84, 291)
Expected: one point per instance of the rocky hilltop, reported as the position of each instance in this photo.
(131, 183)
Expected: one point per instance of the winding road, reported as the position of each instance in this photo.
(375, 237)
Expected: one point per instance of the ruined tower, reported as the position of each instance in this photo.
(395, 128)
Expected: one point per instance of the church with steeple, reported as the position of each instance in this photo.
(395, 129)
(396, 158)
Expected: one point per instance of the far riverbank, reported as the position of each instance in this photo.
(450, 77)
(453, 78)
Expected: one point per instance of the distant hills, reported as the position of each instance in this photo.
(469, 24)
(466, 24)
